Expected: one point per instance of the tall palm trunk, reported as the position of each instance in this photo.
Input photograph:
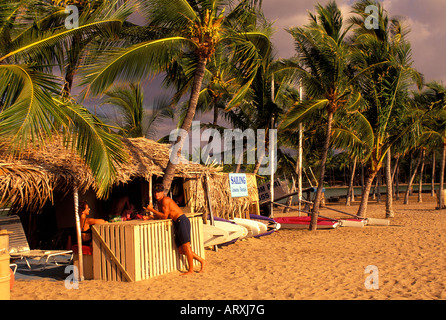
(409, 186)
(239, 163)
(187, 123)
(257, 165)
(320, 186)
(289, 201)
(378, 187)
(420, 184)
(389, 183)
(69, 78)
(366, 192)
(433, 174)
(397, 182)
(351, 192)
(443, 162)
(395, 178)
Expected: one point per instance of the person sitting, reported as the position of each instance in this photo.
(86, 222)
(122, 207)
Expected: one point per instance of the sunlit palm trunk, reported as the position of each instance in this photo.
(365, 194)
(440, 195)
(187, 123)
(317, 201)
(433, 175)
(409, 186)
(389, 183)
(420, 183)
(351, 191)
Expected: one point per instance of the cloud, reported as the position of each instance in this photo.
(428, 33)
(424, 18)
(291, 13)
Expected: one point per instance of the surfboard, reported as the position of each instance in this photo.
(357, 223)
(271, 225)
(222, 232)
(270, 222)
(253, 227)
(212, 235)
(234, 230)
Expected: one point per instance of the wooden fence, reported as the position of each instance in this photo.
(138, 250)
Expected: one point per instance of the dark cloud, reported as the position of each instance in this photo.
(425, 19)
(428, 33)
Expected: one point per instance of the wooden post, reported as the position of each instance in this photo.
(299, 157)
(150, 191)
(206, 180)
(271, 153)
(79, 234)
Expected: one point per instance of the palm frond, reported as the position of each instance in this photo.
(300, 111)
(353, 133)
(28, 111)
(35, 48)
(100, 149)
(129, 64)
(169, 14)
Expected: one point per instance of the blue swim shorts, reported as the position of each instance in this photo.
(182, 230)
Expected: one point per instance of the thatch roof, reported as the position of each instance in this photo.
(223, 204)
(29, 181)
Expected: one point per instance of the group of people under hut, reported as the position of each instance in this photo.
(166, 209)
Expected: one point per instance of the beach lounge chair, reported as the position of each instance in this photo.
(19, 247)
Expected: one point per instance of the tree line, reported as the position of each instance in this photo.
(349, 88)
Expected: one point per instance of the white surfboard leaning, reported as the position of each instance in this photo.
(254, 228)
(234, 230)
(222, 232)
(212, 235)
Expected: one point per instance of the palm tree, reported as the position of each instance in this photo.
(434, 123)
(220, 84)
(386, 55)
(91, 12)
(193, 28)
(31, 110)
(136, 120)
(323, 55)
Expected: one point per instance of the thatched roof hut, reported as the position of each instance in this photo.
(30, 180)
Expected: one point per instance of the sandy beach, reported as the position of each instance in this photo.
(298, 264)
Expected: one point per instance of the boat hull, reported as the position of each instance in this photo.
(304, 223)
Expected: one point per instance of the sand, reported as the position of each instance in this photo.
(409, 257)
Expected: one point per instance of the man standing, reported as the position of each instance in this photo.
(170, 210)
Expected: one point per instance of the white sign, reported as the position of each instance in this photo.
(238, 185)
(264, 191)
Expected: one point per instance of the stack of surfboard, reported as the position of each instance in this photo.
(222, 232)
(228, 231)
(258, 226)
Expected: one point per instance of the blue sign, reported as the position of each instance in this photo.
(238, 185)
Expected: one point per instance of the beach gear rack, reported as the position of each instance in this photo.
(368, 221)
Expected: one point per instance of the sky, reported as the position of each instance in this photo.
(425, 18)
